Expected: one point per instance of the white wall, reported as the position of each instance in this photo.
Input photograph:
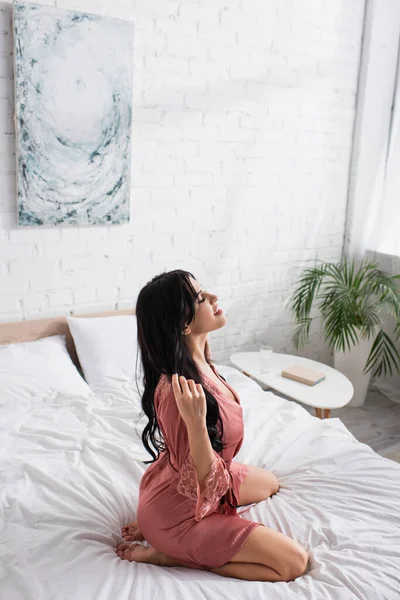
(243, 119)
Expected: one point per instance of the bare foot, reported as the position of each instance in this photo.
(132, 533)
(140, 553)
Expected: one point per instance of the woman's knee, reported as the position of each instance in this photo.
(275, 485)
(270, 484)
(273, 549)
(295, 565)
(258, 485)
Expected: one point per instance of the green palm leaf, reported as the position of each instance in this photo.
(350, 300)
(301, 333)
(384, 349)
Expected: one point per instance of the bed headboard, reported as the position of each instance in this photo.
(28, 331)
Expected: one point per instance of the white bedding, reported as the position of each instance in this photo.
(69, 474)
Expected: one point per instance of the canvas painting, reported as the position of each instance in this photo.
(73, 113)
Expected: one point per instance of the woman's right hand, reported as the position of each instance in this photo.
(190, 399)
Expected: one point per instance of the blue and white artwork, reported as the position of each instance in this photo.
(73, 96)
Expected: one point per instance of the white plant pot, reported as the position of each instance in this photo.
(351, 363)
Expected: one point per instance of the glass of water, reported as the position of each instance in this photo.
(266, 352)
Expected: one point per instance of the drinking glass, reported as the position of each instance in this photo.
(266, 352)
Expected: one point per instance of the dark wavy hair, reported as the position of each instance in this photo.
(163, 307)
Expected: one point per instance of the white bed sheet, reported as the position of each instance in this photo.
(69, 475)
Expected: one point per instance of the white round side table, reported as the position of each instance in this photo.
(335, 391)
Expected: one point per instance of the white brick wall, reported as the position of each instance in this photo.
(242, 131)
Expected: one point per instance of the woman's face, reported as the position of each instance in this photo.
(205, 319)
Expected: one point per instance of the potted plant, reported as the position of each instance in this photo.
(351, 300)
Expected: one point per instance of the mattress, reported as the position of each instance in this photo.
(69, 477)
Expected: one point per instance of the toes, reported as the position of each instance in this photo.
(125, 551)
(123, 546)
(129, 529)
(129, 552)
(132, 534)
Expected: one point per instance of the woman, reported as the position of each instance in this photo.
(188, 496)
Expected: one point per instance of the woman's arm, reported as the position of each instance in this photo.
(201, 451)
(202, 474)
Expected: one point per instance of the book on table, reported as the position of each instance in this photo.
(303, 374)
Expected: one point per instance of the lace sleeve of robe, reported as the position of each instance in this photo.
(175, 434)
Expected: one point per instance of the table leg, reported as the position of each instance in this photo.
(323, 413)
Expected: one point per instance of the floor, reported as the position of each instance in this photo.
(377, 423)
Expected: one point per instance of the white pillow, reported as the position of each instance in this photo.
(107, 350)
(39, 368)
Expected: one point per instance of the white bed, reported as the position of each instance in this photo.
(70, 469)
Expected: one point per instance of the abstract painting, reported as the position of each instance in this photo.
(73, 114)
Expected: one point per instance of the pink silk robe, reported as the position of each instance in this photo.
(172, 514)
